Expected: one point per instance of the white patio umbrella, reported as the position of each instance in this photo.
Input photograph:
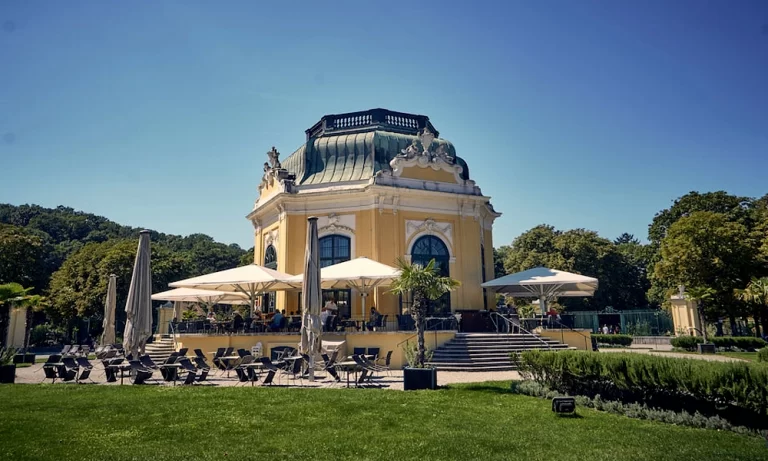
(362, 274)
(544, 284)
(250, 280)
(110, 306)
(311, 298)
(138, 306)
(207, 298)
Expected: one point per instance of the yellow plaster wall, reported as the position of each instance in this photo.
(428, 174)
(685, 316)
(380, 235)
(385, 341)
(579, 339)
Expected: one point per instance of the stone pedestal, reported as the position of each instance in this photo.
(16, 327)
(685, 316)
(164, 317)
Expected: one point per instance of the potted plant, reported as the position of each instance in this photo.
(7, 367)
(424, 283)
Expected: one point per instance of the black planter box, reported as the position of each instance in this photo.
(7, 374)
(419, 378)
(24, 358)
(707, 348)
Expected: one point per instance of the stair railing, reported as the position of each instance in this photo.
(495, 317)
(172, 329)
(562, 326)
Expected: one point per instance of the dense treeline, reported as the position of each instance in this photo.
(713, 243)
(67, 255)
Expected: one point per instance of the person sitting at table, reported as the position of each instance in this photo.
(331, 305)
(374, 320)
(211, 316)
(276, 320)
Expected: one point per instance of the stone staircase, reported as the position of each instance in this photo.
(160, 350)
(487, 351)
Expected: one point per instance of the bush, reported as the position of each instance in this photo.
(616, 340)
(746, 343)
(762, 355)
(688, 343)
(737, 391)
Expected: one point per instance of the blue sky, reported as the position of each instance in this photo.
(573, 113)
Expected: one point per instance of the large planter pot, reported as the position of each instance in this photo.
(708, 348)
(7, 374)
(24, 358)
(419, 378)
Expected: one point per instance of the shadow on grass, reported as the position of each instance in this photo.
(488, 388)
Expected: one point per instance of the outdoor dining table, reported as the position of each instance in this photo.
(348, 367)
(173, 372)
(122, 368)
(227, 359)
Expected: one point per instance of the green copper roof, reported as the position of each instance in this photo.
(352, 157)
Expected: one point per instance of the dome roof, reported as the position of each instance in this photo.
(356, 146)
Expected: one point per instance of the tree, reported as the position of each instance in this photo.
(626, 238)
(700, 295)
(247, 258)
(423, 283)
(24, 257)
(622, 283)
(499, 255)
(705, 249)
(756, 295)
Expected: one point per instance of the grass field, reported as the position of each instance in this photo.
(467, 422)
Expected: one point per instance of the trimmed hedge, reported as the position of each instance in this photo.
(616, 340)
(762, 355)
(746, 343)
(736, 391)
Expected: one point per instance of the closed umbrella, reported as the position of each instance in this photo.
(138, 306)
(110, 305)
(311, 297)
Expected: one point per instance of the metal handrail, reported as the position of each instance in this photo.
(173, 333)
(586, 339)
(519, 327)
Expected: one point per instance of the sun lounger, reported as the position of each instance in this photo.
(139, 373)
(50, 367)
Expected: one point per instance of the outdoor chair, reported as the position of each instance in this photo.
(295, 369)
(199, 354)
(85, 350)
(168, 372)
(358, 351)
(68, 369)
(204, 368)
(183, 352)
(256, 350)
(242, 353)
(371, 364)
(146, 360)
(364, 371)
(242, 368)
(139, 373)
(330, 365)
(271, 368)
(190, 369)
(374, 351)
(109, 372)
(387, 362)
(217, 358)
(65, 349)
(50, 368)
(85, 368)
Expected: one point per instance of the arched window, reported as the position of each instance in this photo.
(270, 262)
(424, 250)
(270, 258)
(336, 249)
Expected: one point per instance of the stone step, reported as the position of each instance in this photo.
(461, 368)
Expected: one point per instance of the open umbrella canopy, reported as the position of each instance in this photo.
(193, 295)
(543, 283)
(138, 306)
(249, 280)
(362, 274)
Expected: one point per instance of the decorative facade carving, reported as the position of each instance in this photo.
(274, 172)
(256, 225)
(334, 223)
(272, 238)
(425, 156)
(429, 226)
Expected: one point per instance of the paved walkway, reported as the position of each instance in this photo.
(34, 375)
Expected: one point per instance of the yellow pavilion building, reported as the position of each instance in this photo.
(384, 185)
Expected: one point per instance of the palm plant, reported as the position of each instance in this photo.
(15, 295)
(701, 295)
(424, 283)
(756, 294)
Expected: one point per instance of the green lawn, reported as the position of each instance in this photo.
(470, 422)
(750, 356)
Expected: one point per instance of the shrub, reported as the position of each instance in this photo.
(747, 343)
(737, 391)
(762, 355)
(688, 343)
(616, 340)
